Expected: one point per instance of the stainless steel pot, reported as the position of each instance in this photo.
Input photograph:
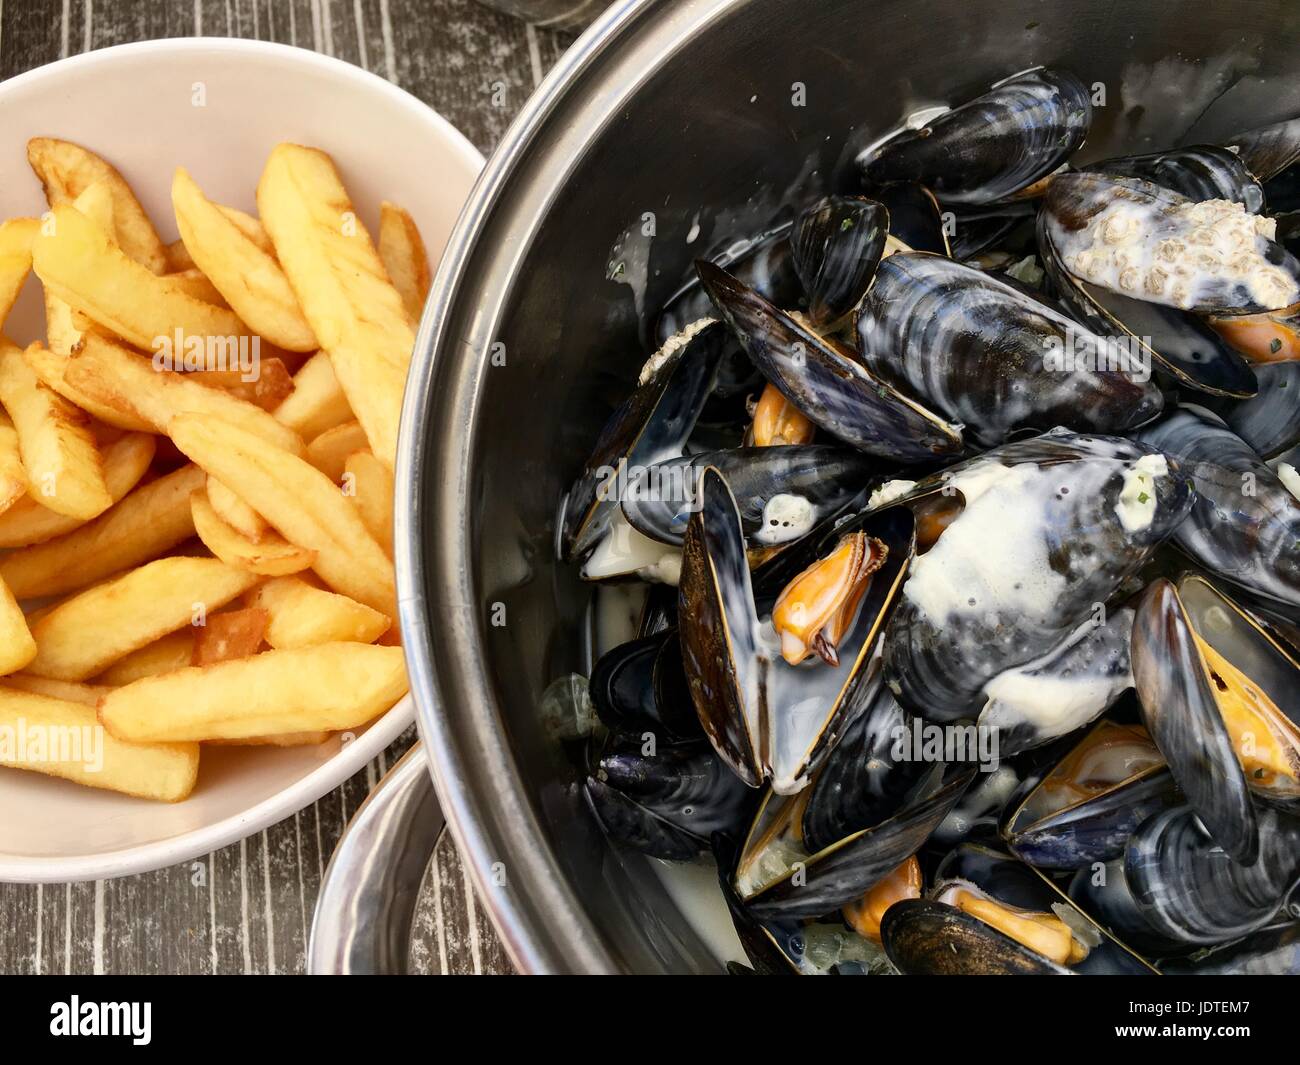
(699, 113)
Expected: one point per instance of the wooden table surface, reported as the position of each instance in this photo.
(248, 908)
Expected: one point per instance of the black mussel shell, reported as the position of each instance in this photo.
(993, 147)
(1066, 488)
(658, 504)
(1269, 421)
(915, 218)
(982, 229)
(764, 262)
(640, 687)
(926, 938)
(1244, 524)
(631, 824)
(992, 359)
(1269, 952)
(1190, 890)
(651, 425)
(1199, 172)
(831, 389)
(1091, 829)
(1182, 715)
(837, 243)
(1268, 150)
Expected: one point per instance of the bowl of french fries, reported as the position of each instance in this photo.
(214, 257)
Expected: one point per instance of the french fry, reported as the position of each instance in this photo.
(78, 263)
(178, 257)
(148, 521)
(371, 484)
(285, 739)
(229, 635)
(402, 250)
(66, 170)
(65, 327)
(128, 383)
(271, 556)
(69, 690)
(341, 285)
(72, 747)
(249, 278)
(84, 635)
(17, 645)
(194, 282)
(58, 451)
(318, 402)
(298, 500)
(234, 512)
(271, 386)
(13, 478)
(332, 687)
(171, 652)
(303, 616)
(16, 238)
(28, 522)
(329, 452)
(52, 370)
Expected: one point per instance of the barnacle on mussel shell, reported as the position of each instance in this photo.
(832, 389)
(1139, 239)
(1071, 516)
(989, 357)
(996, 146)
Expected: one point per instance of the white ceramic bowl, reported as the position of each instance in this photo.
(136, 105)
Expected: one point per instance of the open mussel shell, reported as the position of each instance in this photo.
(981, 229)
(993, 147)
(1007, 881)
(1200, 661)
(861, 782)
(651, 425)
(789, 882)
(640, 687)
(1048, 509)
(763, 261)
(1064, 689)
(837, 244)
(1165, 338)
(993, 359)
(927, 938)
(1199, 172)
(835, 392)
(1085, 809)
(1142, 240)
(783, 493)
(1191, 890)
(915, 217)
(765, 717)
(1268, 150)
(1244, 524)
(1182, 714)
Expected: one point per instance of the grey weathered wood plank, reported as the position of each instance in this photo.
(248, 907)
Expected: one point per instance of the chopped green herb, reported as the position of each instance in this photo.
(1275, 345)
(846, 225)
(1143, 497)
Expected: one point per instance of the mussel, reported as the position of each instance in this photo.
(1199, 172)
(837, 244)
(1141, 240)
(1071, 516)
(989, 357)
(994, 147)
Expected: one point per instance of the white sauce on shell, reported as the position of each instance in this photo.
(624, 551)
(785, 517)
(1286, 473)
(1136, 505)
(888, 492)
